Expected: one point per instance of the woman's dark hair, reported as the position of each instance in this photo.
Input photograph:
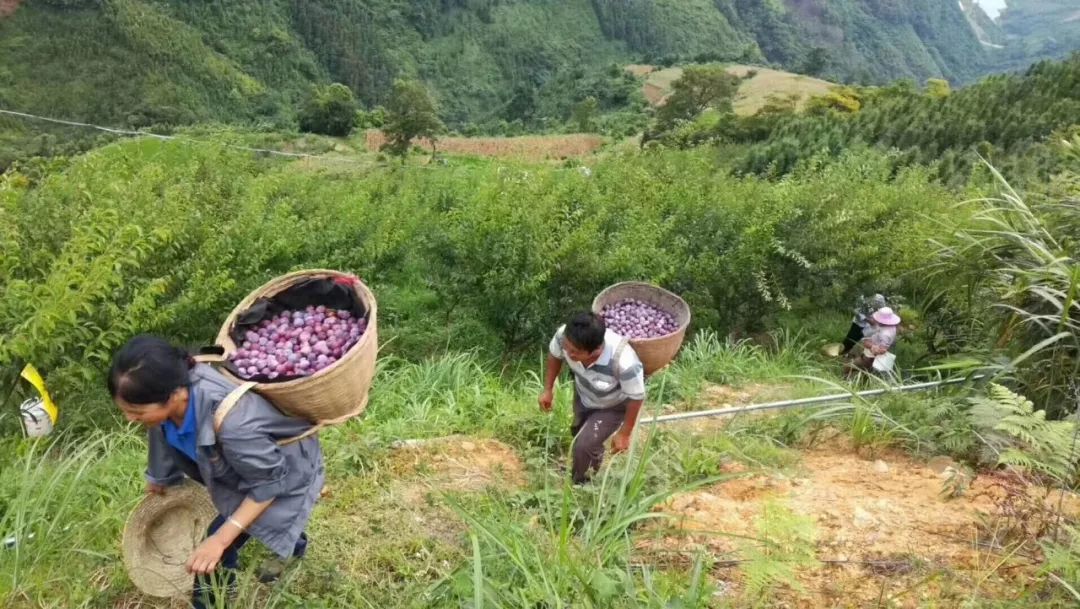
(586, 330)
(147, 370)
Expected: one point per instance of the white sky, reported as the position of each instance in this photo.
(992, 7)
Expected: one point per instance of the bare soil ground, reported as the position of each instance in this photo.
(884, 532)
(8, 7)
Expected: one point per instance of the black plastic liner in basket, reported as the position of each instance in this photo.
(308, 293)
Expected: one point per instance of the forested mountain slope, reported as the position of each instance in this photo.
(153, 62)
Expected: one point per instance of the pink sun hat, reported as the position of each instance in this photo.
(886, 317)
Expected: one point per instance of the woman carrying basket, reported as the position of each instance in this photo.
(260, 488)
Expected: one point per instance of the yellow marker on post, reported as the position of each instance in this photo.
(39, 414)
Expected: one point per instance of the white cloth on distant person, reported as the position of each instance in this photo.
(882, 337)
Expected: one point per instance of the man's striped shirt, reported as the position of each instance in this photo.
(606, 383)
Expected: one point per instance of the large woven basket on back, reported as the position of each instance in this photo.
(654, 353)
(334, 394)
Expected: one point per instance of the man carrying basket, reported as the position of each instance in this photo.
(609, 388)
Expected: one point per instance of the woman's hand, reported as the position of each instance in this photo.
(206, 557)
(155, 489)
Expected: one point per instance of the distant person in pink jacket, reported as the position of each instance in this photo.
(876, 354)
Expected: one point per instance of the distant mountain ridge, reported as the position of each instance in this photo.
(162, 62)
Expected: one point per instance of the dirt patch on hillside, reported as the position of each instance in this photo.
(8, 7)
(654, 94)
(883, 531)
(640, 70)
(528, 148)
(458, 463)
(396, 524)
(658, 83)
(724, 396)
(753, 92)
(719, 397)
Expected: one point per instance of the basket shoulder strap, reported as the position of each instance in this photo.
(226, 406)
(229, 403)
(209, 358)
(617, 357)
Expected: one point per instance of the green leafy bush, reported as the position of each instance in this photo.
(329, 110)
(149, 236)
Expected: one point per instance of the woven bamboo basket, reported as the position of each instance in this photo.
(654, 353)
(335, 393)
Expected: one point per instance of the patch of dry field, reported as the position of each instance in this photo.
(752, 94)
(884, 533)
(525, 148)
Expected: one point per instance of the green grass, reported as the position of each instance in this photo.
(365, 546)
(389, 535)
(366, 549)
(394, 536)
(65, 506)
(709, 359)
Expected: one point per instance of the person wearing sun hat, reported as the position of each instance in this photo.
(260, 488)
(879, 340)
(860, 323)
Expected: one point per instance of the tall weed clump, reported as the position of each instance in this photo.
(1016, 272)
(575, 547)
(59, 515)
